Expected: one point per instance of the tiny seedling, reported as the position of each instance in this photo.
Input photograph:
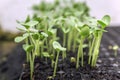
(84, 32)
(73, 60)
(58, 48)
(115, 48)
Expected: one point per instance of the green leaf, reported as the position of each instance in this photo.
(36, 18)
(91, 22)
(27, 19)
(52, 31)
(25, 35)
(85, 31)
(21, 29)
(99, 29)
(33, 30)
(57, 46)
(71, 21)
(102, 23)
(18, 21)
(44, 34)
(23, 24)
(19, 39)
(32, 23)
(65, 30)
(46, 54)
(36, 36)
(105, 21)
(28, 48)
(79, 25)
(52, 56)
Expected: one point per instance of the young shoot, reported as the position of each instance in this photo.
(84, 32)
(73, 60)
(104, 22)
(33, 39)
(58, 48)
(115, 48)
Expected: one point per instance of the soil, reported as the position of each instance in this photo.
(11, 65)
(107, 68)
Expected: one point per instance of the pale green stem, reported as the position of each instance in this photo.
(90, 50)
(69, 41)
(52, 64)
(37, 48)
(80, 53)
(64, 45)
(74, 42)
(56, 62)
(96, 49)
(115, 53)
(81, 50)
(31, 67)
(27, 53)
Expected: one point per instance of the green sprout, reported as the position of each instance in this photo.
(98, 35)
(73, 60)
(84, 32)
(33, 39)
(58, 48)
(115, 48)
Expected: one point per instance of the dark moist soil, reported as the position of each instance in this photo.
(105, 70)
(107, 67)
(11, 67)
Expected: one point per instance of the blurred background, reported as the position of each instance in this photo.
(12, 10)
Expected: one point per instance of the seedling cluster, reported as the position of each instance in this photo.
(59, 27)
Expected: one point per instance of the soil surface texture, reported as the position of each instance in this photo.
(107, 67)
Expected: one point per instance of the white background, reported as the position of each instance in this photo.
(12, 10)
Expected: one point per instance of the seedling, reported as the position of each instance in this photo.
(58, 48)
(62, 22)
(115, 48)
(84, 32)
(73, 60)
(33, 40)
(98, 35)
(50, 77)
